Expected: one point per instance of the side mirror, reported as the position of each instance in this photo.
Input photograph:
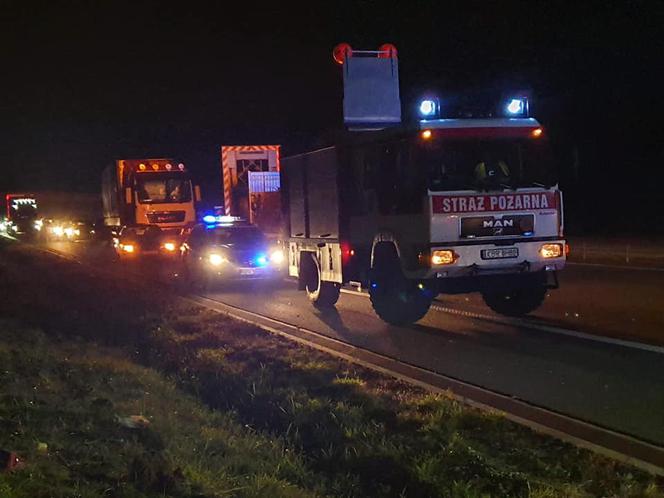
(197, 193)
(128, 196)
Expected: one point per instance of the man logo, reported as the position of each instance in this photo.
(500, 223)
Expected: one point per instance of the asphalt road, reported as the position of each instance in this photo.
(618, 387)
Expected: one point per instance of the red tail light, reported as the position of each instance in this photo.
(347, 252)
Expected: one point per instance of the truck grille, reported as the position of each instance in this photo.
(496, 226)
(166, 216)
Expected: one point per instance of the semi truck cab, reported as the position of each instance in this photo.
(149, 192)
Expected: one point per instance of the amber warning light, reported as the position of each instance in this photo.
(160, 167)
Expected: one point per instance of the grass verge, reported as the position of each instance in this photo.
(304, 422)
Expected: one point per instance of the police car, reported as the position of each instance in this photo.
(226, 248)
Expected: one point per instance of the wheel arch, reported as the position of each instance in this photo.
(384, 239)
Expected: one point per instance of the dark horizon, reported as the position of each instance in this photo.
(88, 84)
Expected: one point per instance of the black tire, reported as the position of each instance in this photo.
(320, 293)
(515, 303)
(395, 299)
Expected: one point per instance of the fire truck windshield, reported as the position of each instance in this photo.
(162, 188)
(486, 164)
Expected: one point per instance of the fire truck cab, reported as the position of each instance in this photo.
(446, 205)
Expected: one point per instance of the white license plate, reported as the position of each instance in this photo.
(502, 253)
(247, 271)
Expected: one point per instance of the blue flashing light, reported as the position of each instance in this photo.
(229, 220)
(516, 107)
(428, 108)
(261, 260)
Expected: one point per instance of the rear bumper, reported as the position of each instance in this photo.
(156, 255)
(506, 282)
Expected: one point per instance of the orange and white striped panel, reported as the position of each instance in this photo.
(226, 172)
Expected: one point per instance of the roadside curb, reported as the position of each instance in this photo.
(617, 446)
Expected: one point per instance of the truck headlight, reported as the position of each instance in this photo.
(443, 257)
(277, 256)
(551, 250)
(127, 247)
(216, 259)
(169, 246)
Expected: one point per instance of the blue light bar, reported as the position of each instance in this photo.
(210, 218)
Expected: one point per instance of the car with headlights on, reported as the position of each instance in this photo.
(226, 251)
(147, 241)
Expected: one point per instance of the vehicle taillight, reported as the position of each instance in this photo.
(347, 252)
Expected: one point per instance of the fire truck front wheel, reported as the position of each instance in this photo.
(320, 293)
(396, 299)
(515, 303)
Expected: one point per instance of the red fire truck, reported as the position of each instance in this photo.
(445, 205)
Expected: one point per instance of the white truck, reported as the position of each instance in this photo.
(440, 206)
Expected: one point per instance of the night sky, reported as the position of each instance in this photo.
(94, 81)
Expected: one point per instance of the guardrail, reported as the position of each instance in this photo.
(627, 252)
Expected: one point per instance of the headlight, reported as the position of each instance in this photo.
(127, 247)
(169, 246)
(443, 257)
(58, 230)
(216, 259)
(69, 232)
(277, 256)
(551, 250)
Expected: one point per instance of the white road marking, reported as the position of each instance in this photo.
(538, 326)
(616, 267)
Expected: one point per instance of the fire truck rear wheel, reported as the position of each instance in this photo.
(516, 303)
(320, 293)
(395, 299)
